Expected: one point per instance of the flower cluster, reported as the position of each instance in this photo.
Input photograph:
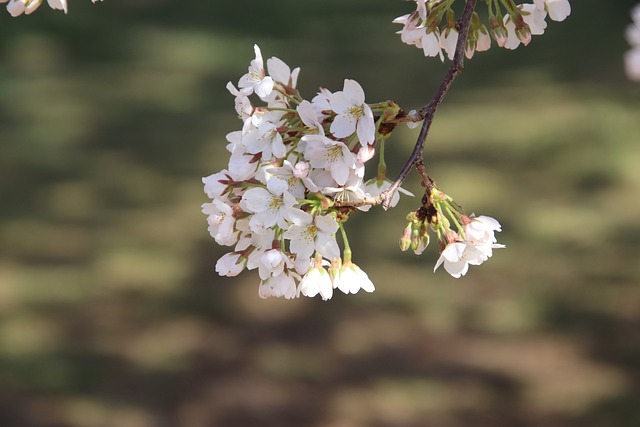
(289, 165)
(18, 7)
(470, 243)
(423, 28)
(632, 57)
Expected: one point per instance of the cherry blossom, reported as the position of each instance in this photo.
(314, 234)
(230, 264)
(558, 9)
(353, 114)
(256, 78)
(282, 285)
(271, 206)
(333, 156)
(317, 281)
(350, 279)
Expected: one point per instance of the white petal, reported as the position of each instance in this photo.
(343, 125)
(353, 92)
(366, 127)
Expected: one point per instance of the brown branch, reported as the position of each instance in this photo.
(427, 113)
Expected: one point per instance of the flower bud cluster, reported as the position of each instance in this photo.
(293, 159)
(18, 7)
(423, 28)
(632, 57)
(463, 240)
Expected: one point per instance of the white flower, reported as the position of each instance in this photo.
(58, 4)
(293, 175)
(350, 279)
(229, 265)
(283, 285)
(266, 140)
(310, 117)
(242, 166)
(273, 263)
(413, 29)
(632, 64)
(512, 41)
(280, 72)
(317, 281)
(271, 206)
(477, 247)
(18, 7)
(456, 258)
(448, 40)
(314, 234)
(256, 78)
(334, 156)
(242, 104)
(353, 114)
(221, 222)
(534, 18)
(320, 103)
(558, 9)
(431, 45)
(216, 185)
(480, 233)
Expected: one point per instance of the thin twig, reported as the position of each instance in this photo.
(427, 113)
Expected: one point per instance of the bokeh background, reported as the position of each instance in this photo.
(111, 313)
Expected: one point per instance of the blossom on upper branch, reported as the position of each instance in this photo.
(509, 27)
(558, 9)
(18, 7)
(632, 57)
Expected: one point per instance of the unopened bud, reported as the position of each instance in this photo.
(499, 32)
(423, 240)
(405, 239)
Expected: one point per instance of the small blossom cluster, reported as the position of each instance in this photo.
(423, 29)
(18, 7)
(632, 57)
(293, 159)
(463, 240)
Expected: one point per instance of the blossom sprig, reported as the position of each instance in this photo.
(292, 165)
(463, 240)
(432, 27)
(19, 7)
(632, 57)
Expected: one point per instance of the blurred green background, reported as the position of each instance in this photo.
(111, 313)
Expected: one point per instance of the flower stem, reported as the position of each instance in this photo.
(347, 248)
